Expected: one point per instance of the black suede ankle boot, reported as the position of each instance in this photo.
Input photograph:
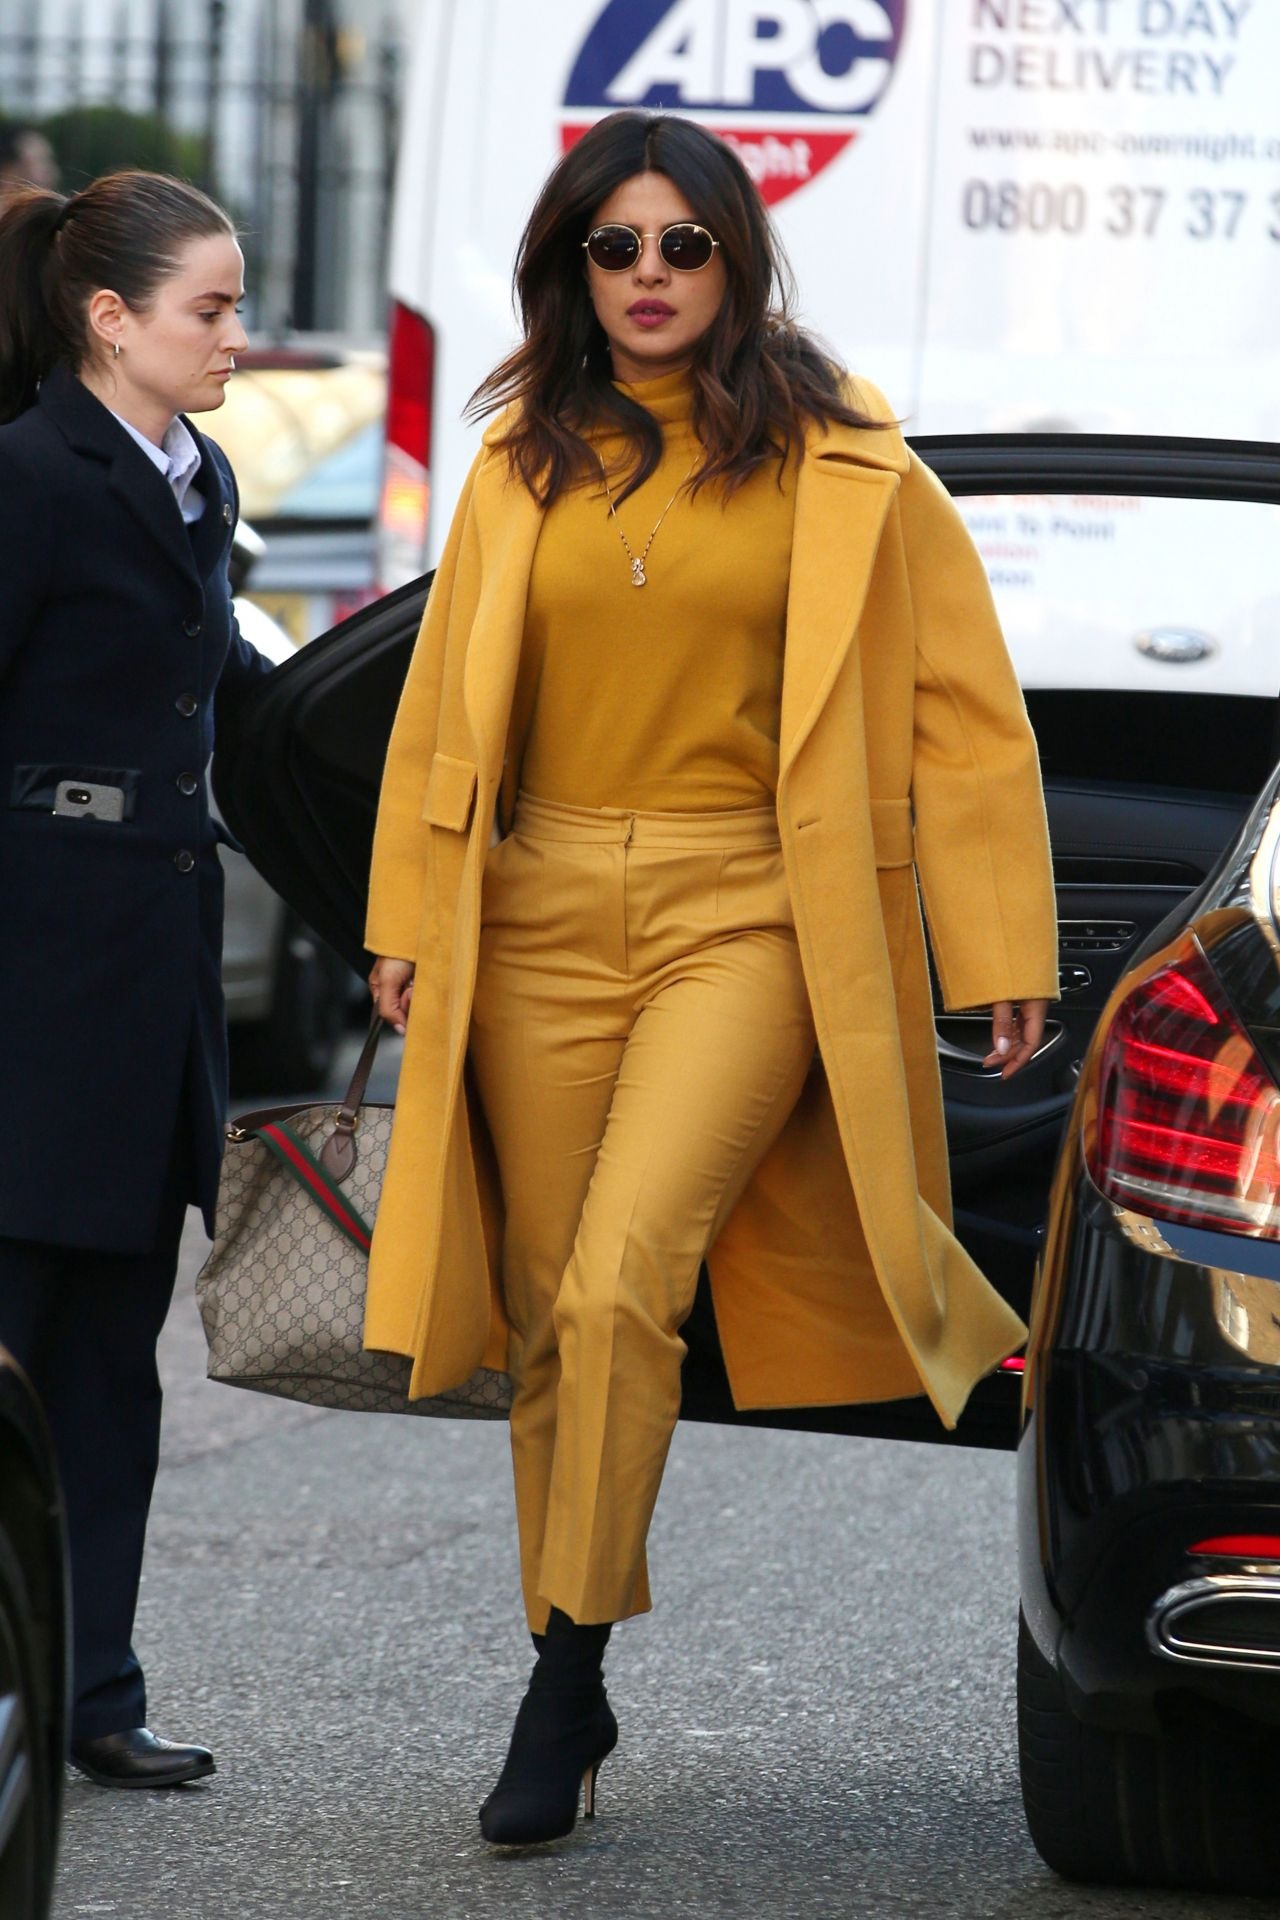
(564, 1729)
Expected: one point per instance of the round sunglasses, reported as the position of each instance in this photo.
(684, 247)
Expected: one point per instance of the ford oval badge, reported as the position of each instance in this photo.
(1176, 646)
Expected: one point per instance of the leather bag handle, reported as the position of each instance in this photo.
(359, 1086)
(338, 1154)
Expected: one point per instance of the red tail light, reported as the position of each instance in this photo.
(406, 475)
(1240, 1546)
(1188, 1125)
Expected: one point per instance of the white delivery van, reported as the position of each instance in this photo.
(1007, 213)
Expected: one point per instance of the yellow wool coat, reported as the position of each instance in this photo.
(905, 757)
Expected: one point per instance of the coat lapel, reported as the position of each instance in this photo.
(209, 534)
(140, 487)
(143, 490)
(508, 520)
(846, 485)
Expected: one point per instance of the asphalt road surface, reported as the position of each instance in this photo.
(817, 1719)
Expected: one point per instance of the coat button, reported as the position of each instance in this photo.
(227, 514)
(184, 860)
(191, 628)
(186, 703)
(187, 783)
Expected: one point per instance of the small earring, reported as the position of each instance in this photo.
(115, 351)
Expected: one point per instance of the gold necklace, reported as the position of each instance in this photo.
(638, 576)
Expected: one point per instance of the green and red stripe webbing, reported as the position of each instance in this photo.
(311, 1176)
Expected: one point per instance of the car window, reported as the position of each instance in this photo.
(1121, 591)
(286, 415)
(1145, 631)
(344, 486)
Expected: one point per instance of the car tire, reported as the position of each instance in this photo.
(29, 1773)
(292, 1050)
(1192, 1809)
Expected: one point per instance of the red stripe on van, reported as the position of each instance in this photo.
(779, 160)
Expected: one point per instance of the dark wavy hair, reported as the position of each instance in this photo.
(125, 231)
(759, 377)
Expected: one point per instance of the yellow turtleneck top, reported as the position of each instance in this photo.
(665, 696)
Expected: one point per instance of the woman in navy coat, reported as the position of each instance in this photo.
(118, 654)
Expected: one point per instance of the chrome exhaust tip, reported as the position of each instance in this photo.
(1220, 1620)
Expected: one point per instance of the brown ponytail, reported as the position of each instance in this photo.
(125, 231)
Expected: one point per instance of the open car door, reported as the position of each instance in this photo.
(1124, 572)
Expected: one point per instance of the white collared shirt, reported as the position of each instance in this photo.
(178, 459)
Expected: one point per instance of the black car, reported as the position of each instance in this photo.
(1138, 586)
(34, 1667)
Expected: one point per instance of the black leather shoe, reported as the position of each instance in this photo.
(137, 1758)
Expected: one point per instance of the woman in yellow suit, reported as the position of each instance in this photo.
(709, 693)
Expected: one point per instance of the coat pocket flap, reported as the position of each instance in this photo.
(894, 833)
(451, 790)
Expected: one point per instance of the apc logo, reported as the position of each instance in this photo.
(788, 83)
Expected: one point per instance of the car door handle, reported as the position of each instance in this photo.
(964, 1041)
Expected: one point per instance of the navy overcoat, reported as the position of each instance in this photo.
(118, 651)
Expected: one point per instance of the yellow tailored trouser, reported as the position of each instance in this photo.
(641, 1032)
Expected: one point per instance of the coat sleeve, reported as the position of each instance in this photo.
(982, 844)
(243, 668)
(26, 551)
(397, 876)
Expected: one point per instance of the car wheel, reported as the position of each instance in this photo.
(1194, 1808)
(28, 1822)
(292, 1050)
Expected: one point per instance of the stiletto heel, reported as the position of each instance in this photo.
(565, 1728)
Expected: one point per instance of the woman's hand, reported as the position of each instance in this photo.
(391, 984)
(1014, 1039)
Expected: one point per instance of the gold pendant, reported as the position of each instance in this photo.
(637, 573)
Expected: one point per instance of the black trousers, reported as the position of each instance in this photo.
(84, 1326)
